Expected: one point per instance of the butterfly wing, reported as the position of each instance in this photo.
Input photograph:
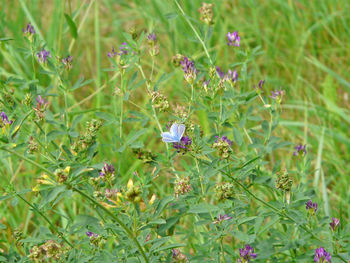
(168, 137)
(180, 130)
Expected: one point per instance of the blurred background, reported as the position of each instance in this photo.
(302, 46)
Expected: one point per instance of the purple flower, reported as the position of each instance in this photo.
(43, 55)
(222, 218)
(152, 37)
(246, 254)
(206, 84)
(321, 255)
(189, 69)
(4, 120)
(29, 30)
(334, 223)
(107, 170)
(233, 39)
(91, 234)
(184, 144)
(277, 94)
(232, 76)
(68, 62)
(41, 102)
(299, 148)
(220, 72)
(312, 207)
(123, 50)
(260, 85)
(224, 139)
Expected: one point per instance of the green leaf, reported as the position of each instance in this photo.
(72, 27)
(203, 208)
(238, 136)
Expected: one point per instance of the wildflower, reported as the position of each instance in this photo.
(322, 256)
(28, 99)
(224, 191)
(178, 256)
(112, 53)
(311, 207)
(233, 39)
(29, 30)
(182, 186)
(231, 76)
(334, 224)
(153, 44)
(284, 182)
(43, 55)
(4, 121)
(246, 254)
(260, 86)
(206, 85)
(189, 70)
(299, 148)
(223, 145)
(62, 174)
(48, 251)
(206, 13)
(107, 173)
(133, 192)
(124, 49)
(159, 101)
(91, 234)
(277, 95)
(176, 60)
(68, 62)
(113, 196)
(222, 218)
(183, 146)
(41, 107)
(220, 73)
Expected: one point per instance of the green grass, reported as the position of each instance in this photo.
(304, 47)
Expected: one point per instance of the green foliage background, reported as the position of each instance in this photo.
(304, 47)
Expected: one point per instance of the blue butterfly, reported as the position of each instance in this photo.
(175, 134)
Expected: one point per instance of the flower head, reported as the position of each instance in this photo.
(184, 145)
(299, 148)
(91, 234)
(152, 37)
(223, 145)
(4, 121)
(189, 69)
(322, 256)
(182, 186)
(107, 171)
(231, 76)
(334, 224)
(43, 55)
(311, 207)
(41, 107)
(29, 30)
(233, 39)
(221, 218)
(206, 13)
(260, 85)
(220, 73)
(123, 50)
(277, 95)
(246, 254)
(68, 62)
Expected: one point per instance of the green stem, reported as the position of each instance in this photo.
(46, 219)
(282, 214)
(194, 31)
(126, 229)
(121, 107)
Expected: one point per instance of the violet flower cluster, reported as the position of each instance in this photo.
(233, 39)
(222, 218)
(123, 50)
(68, 62)
(189, 69)
(300, 149)
(4, 120)
(184, 145)
(322, 256)
(311, 207)
(260, 86)
(107, 170)
(43, 55)
(231, 76)
(29, 30)
(246, 254)
(334, 224)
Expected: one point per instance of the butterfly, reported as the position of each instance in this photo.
(175, 134)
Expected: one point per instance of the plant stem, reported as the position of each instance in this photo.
(194, 31)
(46, 219)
